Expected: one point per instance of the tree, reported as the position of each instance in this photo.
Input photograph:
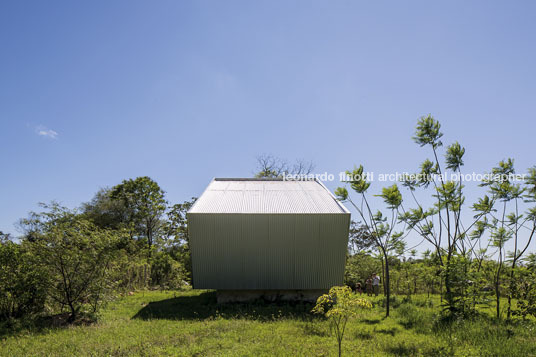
(506, 226)
(377, 226)
(75, 255)
(441, 225)
(145, 204)
(339, 305)
(269, 166)
(359, 267)
(5, 237)
(20, 290)
(176, 233)
(359, 239)
(176, 227)
(106, 212)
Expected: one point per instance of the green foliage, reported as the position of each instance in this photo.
(428, 132)
(428, 170)
(359, 268)
(76, 258)
(166, 272)
(467, 288)
(360, 239)
(483, 206)
(454, 156)
(145, 204)
(358, 180)
(341, 193)
(379, 230)
(525, 292)
(106, 212)
(339, 305)
(530, 182)
(21, 293)
(449, 195)
(177, 240)
(500, 236)
(391, 196)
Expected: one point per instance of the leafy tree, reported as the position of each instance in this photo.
(359, 267)
(516, 222)
(382, 232)
(441, 225)
(505, 226)
(5, 237)
(20, 290)
(166, 272)
(106, 212)
(75, 255)
(359, 239)
(176, 228)
(525, 290)
(339, 305)
(176, 233)
(145, 205)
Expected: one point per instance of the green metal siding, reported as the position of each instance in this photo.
(268, 251)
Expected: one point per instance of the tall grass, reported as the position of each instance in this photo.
(190, 323)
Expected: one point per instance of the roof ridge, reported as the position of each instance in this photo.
(260, 179)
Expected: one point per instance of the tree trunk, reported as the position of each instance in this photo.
(498, 292)
(72, 318)
(512, 290)
(387, 286)
(448, 288)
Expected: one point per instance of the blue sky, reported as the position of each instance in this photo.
(182, 91)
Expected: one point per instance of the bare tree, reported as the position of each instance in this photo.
(269, 166)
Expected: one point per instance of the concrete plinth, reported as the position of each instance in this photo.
(225, 296)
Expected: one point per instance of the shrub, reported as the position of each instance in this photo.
(20, 291)
(166, 272)
(77, 258)
(339, 305)
(526, 295)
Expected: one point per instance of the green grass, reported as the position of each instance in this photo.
(191, 323)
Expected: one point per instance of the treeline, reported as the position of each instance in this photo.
(423, 275)
(72, 261)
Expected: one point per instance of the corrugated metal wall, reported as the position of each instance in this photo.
(268, 251)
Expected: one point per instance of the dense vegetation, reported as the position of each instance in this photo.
(118, 249)
(126, 238)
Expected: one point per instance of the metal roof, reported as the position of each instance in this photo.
(242, 195)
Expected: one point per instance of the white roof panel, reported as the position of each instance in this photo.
(266, 196)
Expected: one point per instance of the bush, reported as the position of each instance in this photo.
(20, 290)
(77, 257)
(166, 272)
(526, 296)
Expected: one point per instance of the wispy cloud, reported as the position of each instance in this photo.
(47, 133)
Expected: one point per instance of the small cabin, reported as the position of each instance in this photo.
(269, 238)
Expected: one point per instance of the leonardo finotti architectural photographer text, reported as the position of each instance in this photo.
(405, 176)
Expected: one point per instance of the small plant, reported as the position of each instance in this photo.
(339, 305)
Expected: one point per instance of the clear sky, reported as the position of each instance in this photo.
(94, 92)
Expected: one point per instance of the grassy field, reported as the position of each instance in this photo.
(190, 323)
